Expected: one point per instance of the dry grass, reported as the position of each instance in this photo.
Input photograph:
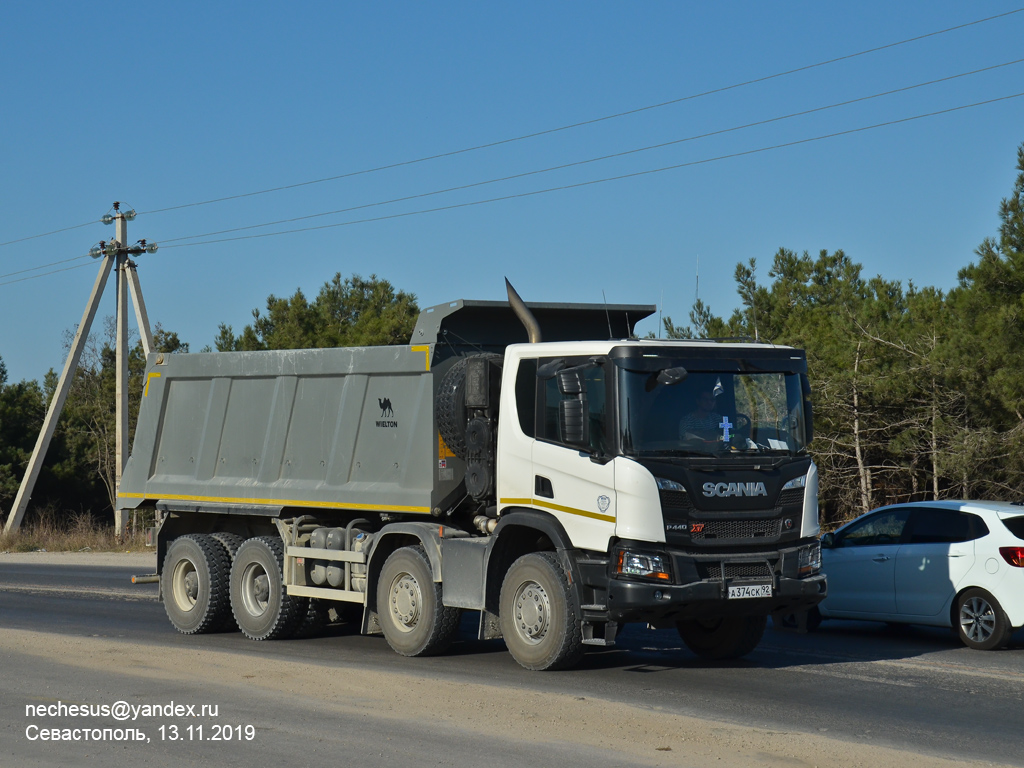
(70, 532)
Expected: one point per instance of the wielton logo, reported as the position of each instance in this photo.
(385, 411)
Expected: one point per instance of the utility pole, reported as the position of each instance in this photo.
(114, 254)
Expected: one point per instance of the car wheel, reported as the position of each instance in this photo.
(981, 622)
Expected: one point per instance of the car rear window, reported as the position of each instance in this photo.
(1016, 525)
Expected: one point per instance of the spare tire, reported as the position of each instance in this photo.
(450, 404)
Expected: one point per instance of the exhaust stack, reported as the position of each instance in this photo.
(525, 315)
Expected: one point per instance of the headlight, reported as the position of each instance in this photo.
(796, 482)
(668, 485)
(643, 565)
(809, 560)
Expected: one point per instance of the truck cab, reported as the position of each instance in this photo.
(692, 517)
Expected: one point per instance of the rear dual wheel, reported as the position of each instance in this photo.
(261, 607)
(194, 584)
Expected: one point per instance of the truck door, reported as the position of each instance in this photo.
(578, 491)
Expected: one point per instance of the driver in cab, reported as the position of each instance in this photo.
(703, 418)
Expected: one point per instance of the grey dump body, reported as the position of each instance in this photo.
(347, 429)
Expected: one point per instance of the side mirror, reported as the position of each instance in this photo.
(571, 382)
(548, 370)
(828, 541)
(574, 421)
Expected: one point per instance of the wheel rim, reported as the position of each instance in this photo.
(185, 585)
(405, 601)
(532, 611)
(977, 619)
(255, 589)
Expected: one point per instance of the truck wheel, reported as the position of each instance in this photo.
(258, 600)
(539, 615)
(414, 621)
(230, 541)
(981, 622)
(194, 583)
(723, 638)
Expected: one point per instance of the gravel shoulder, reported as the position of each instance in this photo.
(144, 561)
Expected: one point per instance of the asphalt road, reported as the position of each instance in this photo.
(913, 689)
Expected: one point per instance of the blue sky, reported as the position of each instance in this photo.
(163, 105)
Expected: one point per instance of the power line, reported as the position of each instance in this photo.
(41, 266)
(47, 234)
(590, 160)
(583, 123)
(635, 174)
(44, 274)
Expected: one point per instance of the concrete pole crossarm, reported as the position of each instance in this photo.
(35, 463)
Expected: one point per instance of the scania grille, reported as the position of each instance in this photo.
(735, 570)
(735, 529)
(792, 498)
(675, 501)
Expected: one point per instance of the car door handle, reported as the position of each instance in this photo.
(956, 554)
(880, 558)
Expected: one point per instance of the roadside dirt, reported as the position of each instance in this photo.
(626, 734)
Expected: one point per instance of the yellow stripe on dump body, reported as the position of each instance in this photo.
(274, 502)
(426, 350)
(150, 377)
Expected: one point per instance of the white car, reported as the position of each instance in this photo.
(944, 563)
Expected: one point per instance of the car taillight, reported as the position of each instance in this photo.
(1013, 555)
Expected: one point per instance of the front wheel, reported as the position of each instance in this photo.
(728, 637)
(412, 616)
(982, 623)
(540, 617)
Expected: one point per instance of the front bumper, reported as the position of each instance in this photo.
(667, 603)
(700, 587)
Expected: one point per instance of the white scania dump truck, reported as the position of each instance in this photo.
(561, 488)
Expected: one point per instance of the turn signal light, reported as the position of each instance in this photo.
(1013, 555)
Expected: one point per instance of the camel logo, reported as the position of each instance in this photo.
(387, 412)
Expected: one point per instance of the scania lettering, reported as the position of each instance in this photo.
(559, 487)
(734, 489)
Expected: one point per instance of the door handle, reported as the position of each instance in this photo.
(880, 558)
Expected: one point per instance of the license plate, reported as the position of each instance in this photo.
(750, 590)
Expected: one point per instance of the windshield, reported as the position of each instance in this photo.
(708, 414)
